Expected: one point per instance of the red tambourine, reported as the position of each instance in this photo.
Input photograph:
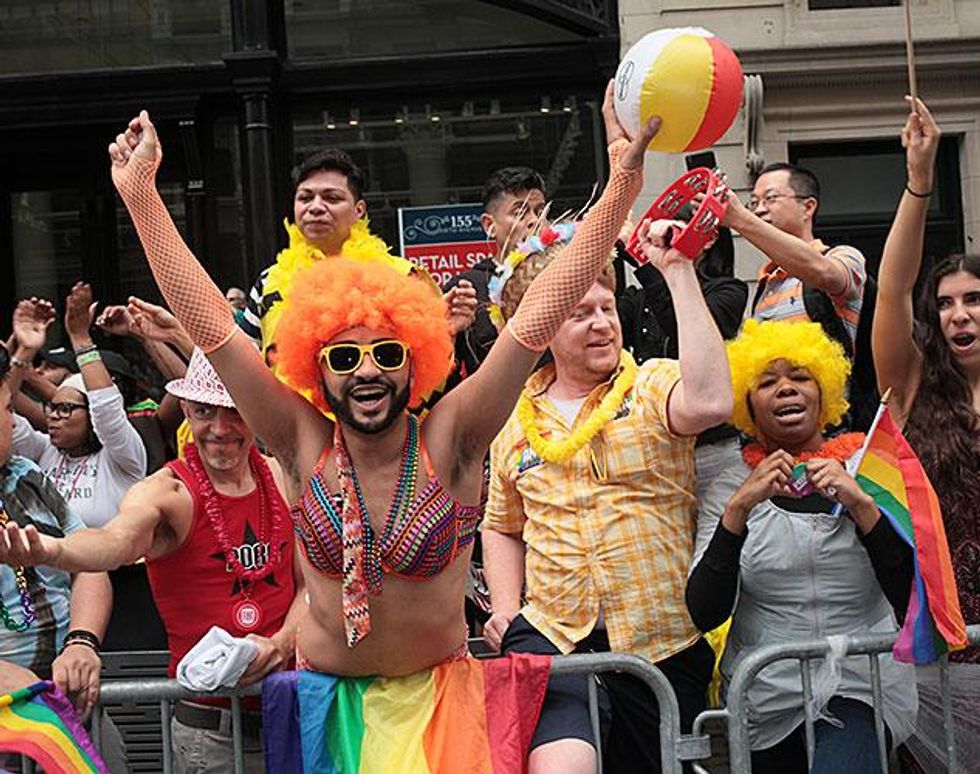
(702, 228)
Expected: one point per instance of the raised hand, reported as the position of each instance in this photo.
(154, 322)
(117, 321)
(632, 157)
(462, 302)
(79, 312)
(920, 138)
(32, 318)
(139, 140)
(653, 244)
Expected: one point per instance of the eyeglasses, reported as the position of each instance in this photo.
(769, 198)
(63, 410)
(342, 359)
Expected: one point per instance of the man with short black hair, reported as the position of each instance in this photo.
(779, 222)
(329, 218)
(513, 204)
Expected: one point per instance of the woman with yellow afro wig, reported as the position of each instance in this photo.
(802, 344)
(798, 548)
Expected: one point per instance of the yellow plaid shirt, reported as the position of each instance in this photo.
(612, 528)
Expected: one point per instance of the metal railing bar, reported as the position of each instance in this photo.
(877, 704)
(809, 720)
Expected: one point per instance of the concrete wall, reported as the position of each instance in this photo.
(832, 75)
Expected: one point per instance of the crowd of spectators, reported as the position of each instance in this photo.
(643, 493)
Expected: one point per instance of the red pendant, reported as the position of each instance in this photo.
(247, 615)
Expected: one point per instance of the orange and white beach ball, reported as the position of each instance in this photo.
(688, 77)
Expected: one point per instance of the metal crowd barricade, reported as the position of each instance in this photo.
(872, 645)
(166, 691)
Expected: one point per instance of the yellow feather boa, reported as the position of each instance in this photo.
(361, 245)
(559, 451)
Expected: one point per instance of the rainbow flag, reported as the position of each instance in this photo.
(38, 721)
(463, 716)
(892, 475)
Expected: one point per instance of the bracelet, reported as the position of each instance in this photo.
(85, 348)
(16, 362)
(79, 641)
(916, 194)
(83, 635)
(88, 357)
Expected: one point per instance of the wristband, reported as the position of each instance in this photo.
(80, 641)
(703, 226)
(88, 357)
(85, 348)
(916, 194)
(16, 362)
(83, 635)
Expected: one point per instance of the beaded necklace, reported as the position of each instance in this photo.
(246, 613)
(20, 577)
(363, 571)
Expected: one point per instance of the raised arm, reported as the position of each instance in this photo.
(703, 397)
(284, 420)
(478, 408)
(897, 359)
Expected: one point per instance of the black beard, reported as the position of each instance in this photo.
(342, 409)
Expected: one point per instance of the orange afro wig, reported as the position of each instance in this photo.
(337, 294)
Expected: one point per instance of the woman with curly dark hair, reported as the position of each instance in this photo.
(932, 365)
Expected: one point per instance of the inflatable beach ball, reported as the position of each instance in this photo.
(689, 78)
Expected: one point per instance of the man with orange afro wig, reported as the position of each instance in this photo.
(386, 507)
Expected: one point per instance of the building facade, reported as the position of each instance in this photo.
(429, 96)
(829, 95)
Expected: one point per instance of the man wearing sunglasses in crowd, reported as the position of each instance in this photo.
(215, 522)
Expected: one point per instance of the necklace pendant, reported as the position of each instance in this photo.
(247, 615)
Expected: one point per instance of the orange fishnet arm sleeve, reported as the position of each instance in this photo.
(555, 292)
(194, 298)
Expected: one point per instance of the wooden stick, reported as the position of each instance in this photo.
(910, 52)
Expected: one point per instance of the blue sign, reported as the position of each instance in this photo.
(440, 224)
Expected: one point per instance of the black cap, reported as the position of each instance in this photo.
(61, 357)
(117, 364)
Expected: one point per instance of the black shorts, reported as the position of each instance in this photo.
(628, 711)
(565, 710)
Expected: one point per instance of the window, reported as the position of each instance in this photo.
(860, 185)
(442, 153)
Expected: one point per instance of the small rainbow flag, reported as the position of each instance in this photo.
(892, 475)
(463, 716)
(38, 721)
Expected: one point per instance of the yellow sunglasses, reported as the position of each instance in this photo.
(342, 359)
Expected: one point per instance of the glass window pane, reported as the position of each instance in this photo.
(411, 159)
(51, 35)
(339, 28)
(47, 242)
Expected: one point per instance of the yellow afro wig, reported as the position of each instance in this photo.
(338, 294)
(803, 344)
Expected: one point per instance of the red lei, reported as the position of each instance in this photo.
(841, 448)
(270, 504)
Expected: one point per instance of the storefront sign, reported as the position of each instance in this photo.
(444, 239)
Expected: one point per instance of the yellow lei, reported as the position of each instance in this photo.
(563, 450)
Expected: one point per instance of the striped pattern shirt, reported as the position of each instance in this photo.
(612, 529)
(782, 298)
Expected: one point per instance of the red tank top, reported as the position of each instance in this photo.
(195, 589)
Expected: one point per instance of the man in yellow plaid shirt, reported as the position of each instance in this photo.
(592, 503)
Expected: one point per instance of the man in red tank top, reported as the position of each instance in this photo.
(218, 542)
